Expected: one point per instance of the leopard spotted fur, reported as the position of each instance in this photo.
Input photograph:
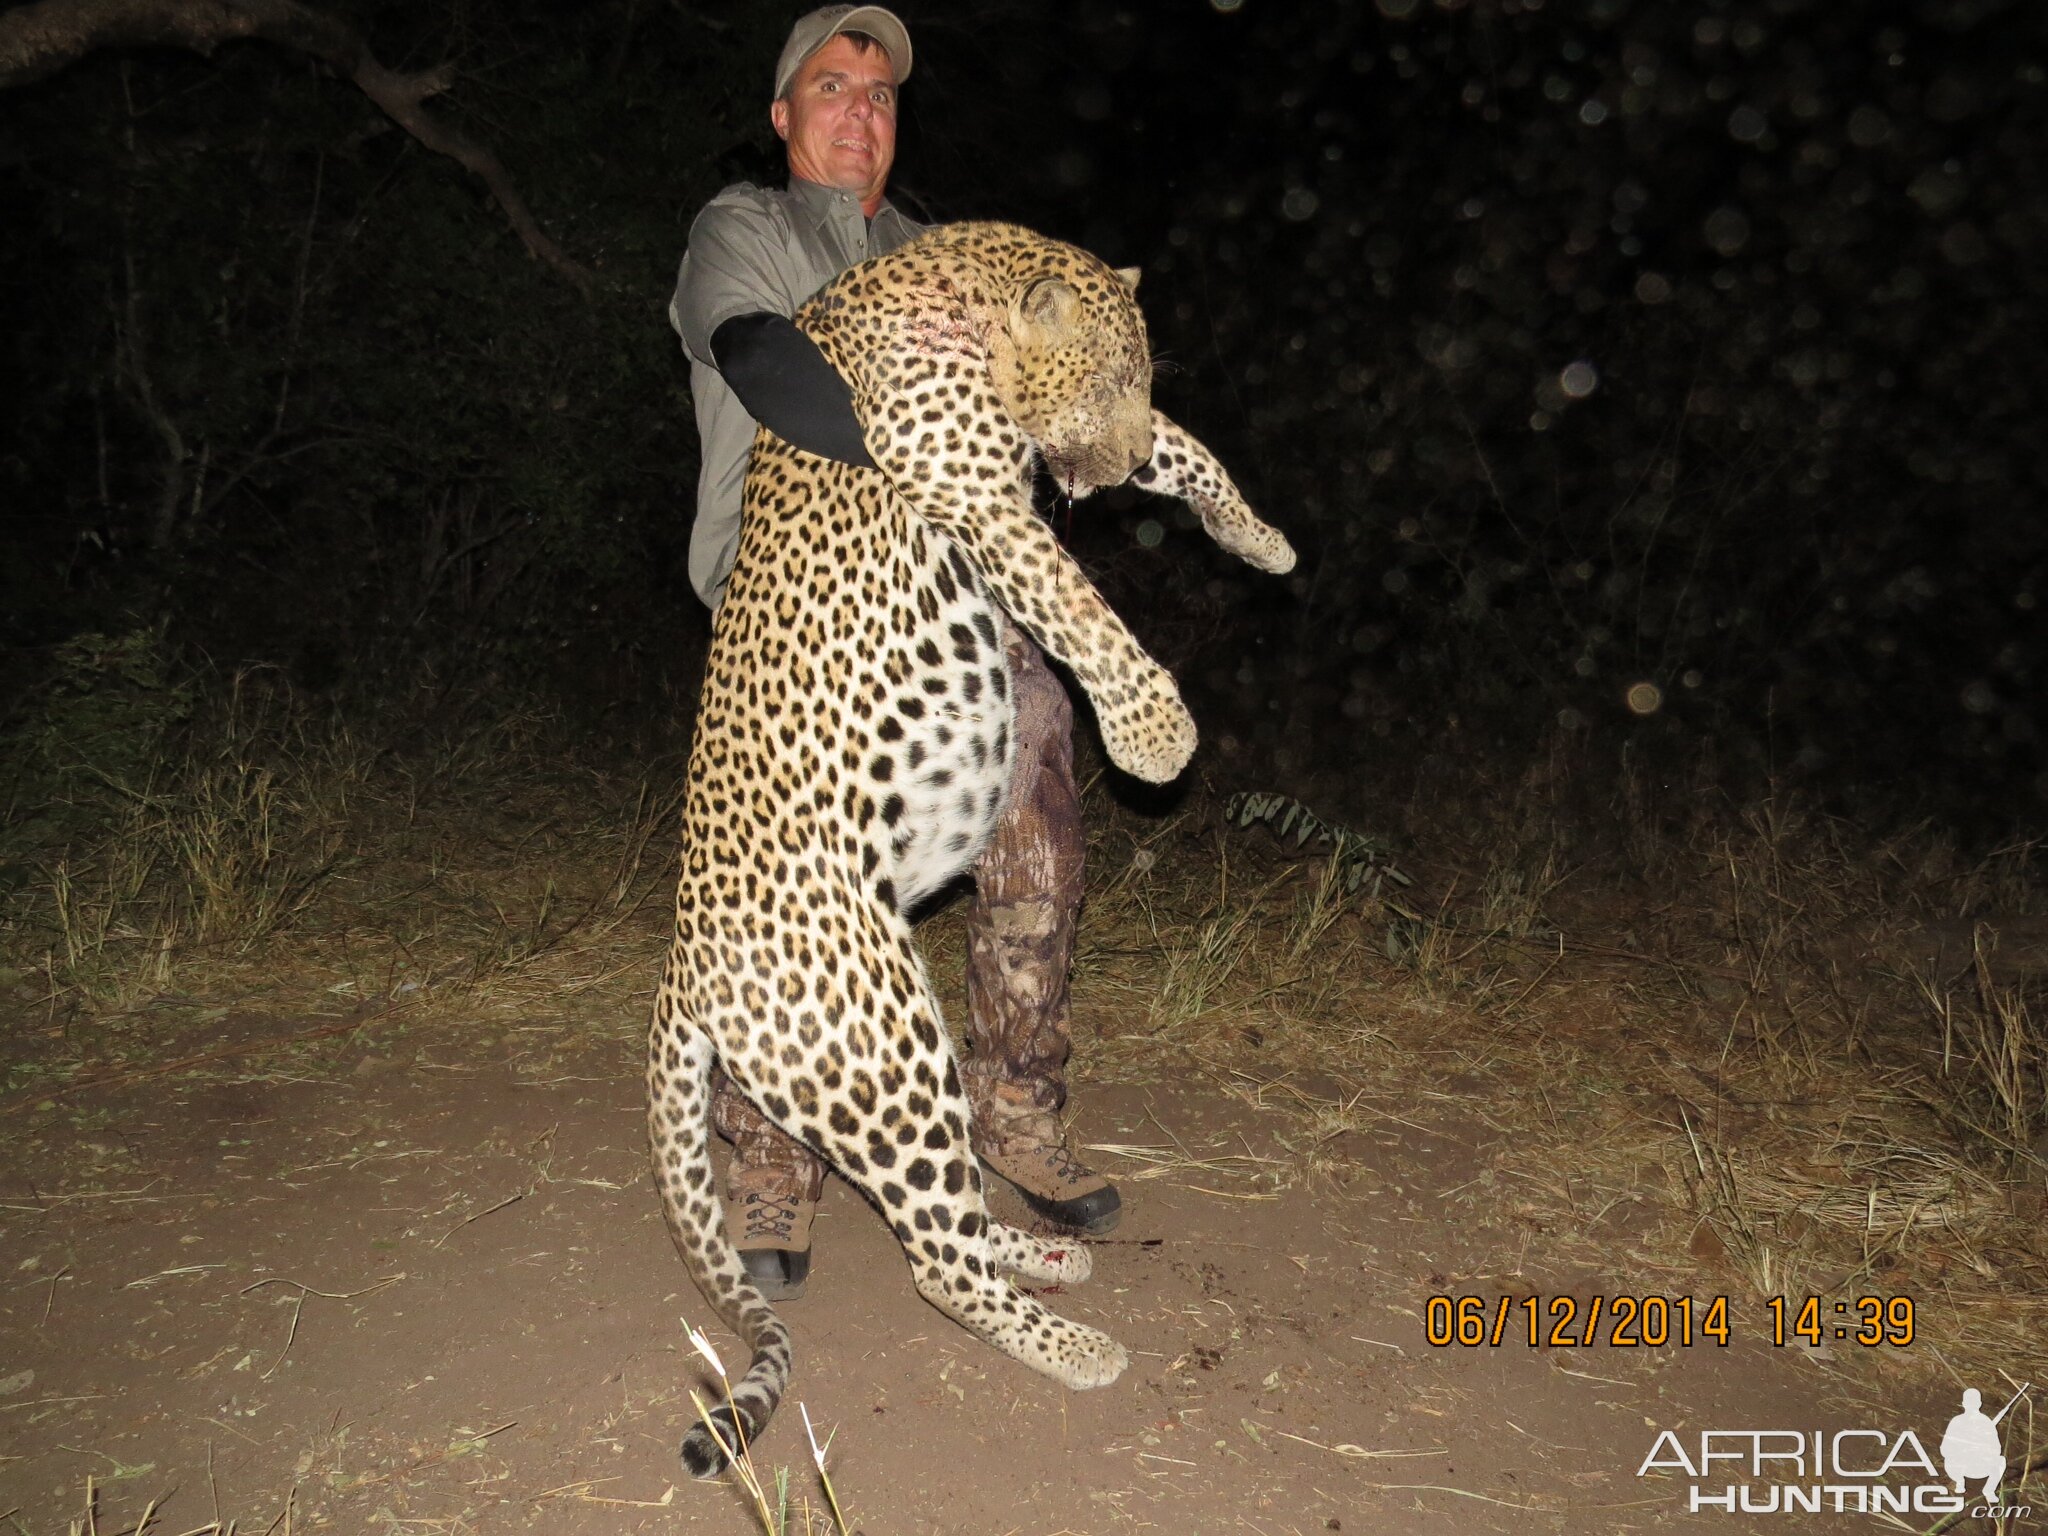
(853, 753)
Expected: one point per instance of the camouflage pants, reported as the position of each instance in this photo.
(1020, 939)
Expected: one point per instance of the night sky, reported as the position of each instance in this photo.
(1665, 376)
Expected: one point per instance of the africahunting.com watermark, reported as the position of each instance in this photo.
(1846, 1471)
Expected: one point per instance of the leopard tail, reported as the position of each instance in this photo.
(680, 1059)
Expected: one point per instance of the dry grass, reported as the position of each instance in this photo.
(147, 1523)
(1994, 1058)
(1758, 1068)
(1753, 1049)
(276, 843)
(204, 851)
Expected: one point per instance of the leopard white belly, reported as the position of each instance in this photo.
(953, 764)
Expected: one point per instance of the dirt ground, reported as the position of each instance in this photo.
(410, 1278)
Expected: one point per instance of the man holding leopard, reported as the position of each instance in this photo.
(754, 256)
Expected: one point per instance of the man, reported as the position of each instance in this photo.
(754, 256)
(1970, 1447)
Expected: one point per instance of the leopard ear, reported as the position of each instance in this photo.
(1047, 309)
(1129, 276)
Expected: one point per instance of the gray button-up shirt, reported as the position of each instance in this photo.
(755, 249)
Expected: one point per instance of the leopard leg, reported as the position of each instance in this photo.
(923, 1177)
(959, 1273)
(1048, 1261)
(1181, 466)
(680, 1058)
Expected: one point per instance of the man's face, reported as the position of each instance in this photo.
(839, 120)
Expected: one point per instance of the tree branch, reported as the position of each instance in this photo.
(38, 40)
(129, 366)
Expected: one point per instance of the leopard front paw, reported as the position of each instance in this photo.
(1086, 1357)
(1148, 731)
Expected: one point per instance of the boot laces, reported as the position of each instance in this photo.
(1064, 1163)
(766, 1216)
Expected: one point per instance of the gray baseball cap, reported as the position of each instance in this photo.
(821, 26)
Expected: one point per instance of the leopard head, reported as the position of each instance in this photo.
(1077, 372)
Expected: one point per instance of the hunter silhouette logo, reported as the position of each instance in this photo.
(1970, 1448)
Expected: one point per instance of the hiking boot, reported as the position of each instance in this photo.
(768, 1214)
(1025, 1147)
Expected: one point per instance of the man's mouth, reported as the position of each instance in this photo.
(858, 146)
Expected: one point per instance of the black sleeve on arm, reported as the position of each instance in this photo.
(788, 386)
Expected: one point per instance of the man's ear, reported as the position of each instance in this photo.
(1128, 276)
(1044, 312)
(778, 114)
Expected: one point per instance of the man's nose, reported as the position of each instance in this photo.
(860, 107)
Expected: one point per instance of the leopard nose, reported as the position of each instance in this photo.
(1134, 438)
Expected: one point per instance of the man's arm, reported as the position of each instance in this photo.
(728, 269)
(786, 384)
(732, 313)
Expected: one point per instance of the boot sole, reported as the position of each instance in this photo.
(770, 1278)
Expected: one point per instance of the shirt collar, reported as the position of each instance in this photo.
(820, 203)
